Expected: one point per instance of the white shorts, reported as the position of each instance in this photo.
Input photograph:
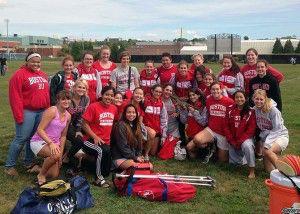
(221, 140)
(281, 141)
(36, 146)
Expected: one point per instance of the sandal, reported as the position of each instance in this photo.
(101, 183)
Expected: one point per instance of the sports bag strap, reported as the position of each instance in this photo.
(165, 191)
(295, 185)
(129, 77)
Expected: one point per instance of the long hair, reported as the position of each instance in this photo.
(83, 82)
(235, 67)
(133, 129)
(200, 69)
(246, 106)
(202, 98)
(268, 104)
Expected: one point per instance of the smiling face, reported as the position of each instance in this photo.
(193, 97)
(216, 91)
(108, 97)
(149, 67)
(259, 101)
(239, 99)
(68, 66)
(251, 58)
(261, 69)
(88, 60)
(198, 61)
(156, 92)
(183, 69)
(138, 95)
(227, 64)
(125, 61)
(104, 55)
(199, 76)
(118, 100)
(166, 62)
(168, 91)
(34, 63)
(80, 89)
(208, 80)
(130, 114)
(64, 103)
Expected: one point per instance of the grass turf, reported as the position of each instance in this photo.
(234, 192)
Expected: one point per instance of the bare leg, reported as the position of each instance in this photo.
(192, 149)
(251, 172)
(151, 138)
(270, 157)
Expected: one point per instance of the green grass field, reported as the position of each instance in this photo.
(234, 192)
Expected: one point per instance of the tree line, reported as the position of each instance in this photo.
(288, 47)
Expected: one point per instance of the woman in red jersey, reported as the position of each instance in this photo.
(230, 76)
(249, 69)
(240, 132)
(183, 81)
(88, 73)
(217, 105)
(98, 119)
(29, 97)
(166, 72)
(155, 120)
(104, 66)
(198, 61)
(148, 77)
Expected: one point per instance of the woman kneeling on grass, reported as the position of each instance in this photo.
(273, 133)
(126, 145)
(240, 131)
(49, 140)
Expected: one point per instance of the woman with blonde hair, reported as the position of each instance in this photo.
(273, 134)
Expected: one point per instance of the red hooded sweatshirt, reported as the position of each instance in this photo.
(28, 90)
(239, 129)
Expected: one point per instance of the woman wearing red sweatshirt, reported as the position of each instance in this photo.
(88, 73)
(148, 77)
(104, 66)
(217, 105)
(240, 131)
(183, 81)
(167, 70)
(155, 120)
(29, 97)
(249, 70)
(230, 76)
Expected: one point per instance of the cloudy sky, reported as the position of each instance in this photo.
(150, 19)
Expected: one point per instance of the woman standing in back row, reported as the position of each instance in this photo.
(249, 69)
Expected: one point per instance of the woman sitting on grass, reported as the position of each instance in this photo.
(126, 145)
(49, 140)
(273, 134)
(240, 132)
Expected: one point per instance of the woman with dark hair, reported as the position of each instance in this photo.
(267, 82)
(98, 121)
(63, 80)
(28, 97)
(88, 73)
(249, 69)
(240, 131)
(50, 138)
(126, 143)
(166, 72)
(230, 76)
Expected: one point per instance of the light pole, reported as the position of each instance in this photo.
(7, 42)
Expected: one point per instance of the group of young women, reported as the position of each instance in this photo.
(117, 117)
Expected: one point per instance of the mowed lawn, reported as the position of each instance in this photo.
(234, 192)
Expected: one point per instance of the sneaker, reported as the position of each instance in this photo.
(11, 171)
(211, 149)
(259, 157)
(146, 158)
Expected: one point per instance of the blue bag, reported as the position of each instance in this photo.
(78, 197)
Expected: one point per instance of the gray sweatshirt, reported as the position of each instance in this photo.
(270, 124)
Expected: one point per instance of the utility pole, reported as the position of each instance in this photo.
(7, 42)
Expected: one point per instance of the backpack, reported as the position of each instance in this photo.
(76, 198)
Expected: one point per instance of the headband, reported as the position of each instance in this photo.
(33, 55)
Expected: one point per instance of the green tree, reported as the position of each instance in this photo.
(288, 47)
(246, 38)
(277, 48)
(76, 50)
(297, 50)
